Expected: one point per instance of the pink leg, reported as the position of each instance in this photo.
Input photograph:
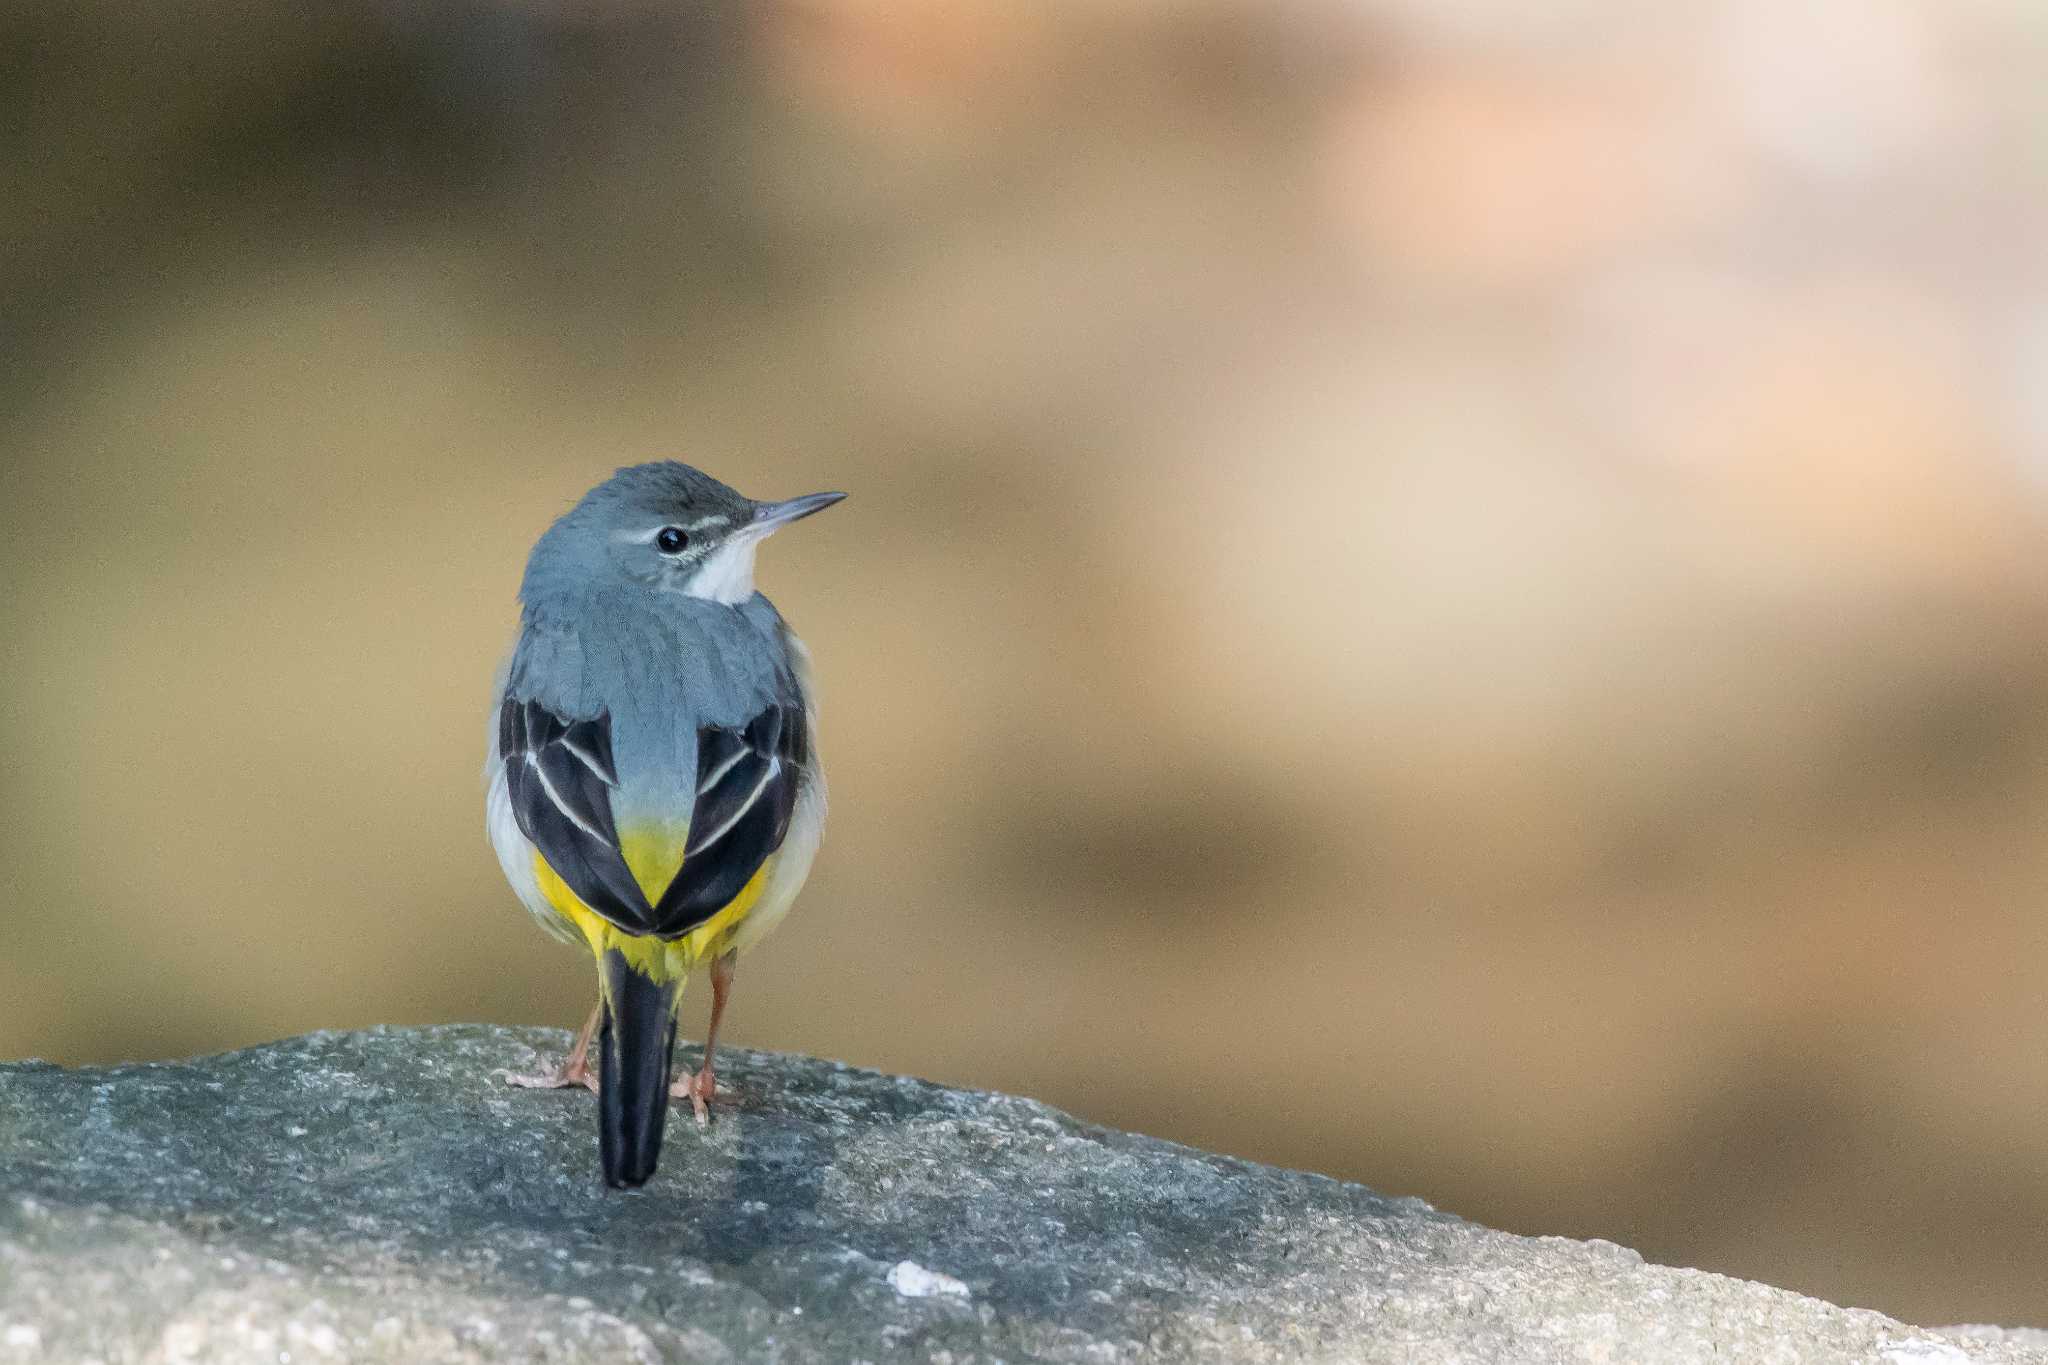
(698, 1089)
(575, 1068)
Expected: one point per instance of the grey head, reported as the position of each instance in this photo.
(662, 527)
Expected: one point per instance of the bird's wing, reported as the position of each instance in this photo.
(561, 778)
(559, 775)
(747, 779)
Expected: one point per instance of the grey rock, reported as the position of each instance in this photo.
(379, 1196)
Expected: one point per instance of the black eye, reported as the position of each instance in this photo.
(671, 540)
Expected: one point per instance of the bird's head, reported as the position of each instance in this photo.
(664, 526)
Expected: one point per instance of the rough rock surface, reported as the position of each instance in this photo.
(380, 1197)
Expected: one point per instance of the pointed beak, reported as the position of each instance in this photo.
(769, 516)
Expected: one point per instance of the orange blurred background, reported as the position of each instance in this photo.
(1447, 593)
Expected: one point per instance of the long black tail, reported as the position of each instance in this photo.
(637, 1043)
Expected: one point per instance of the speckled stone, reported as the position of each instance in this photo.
(378, 1196)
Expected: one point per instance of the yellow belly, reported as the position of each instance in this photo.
(658, 959)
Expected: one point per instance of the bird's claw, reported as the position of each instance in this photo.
(561, 1078)
(697, 1087)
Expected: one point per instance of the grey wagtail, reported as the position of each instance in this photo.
(654, 783)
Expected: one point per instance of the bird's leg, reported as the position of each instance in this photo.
(698, 1089)
(575, 1068)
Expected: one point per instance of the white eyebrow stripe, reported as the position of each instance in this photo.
(560, 804)
(767, 776)
(647, 537)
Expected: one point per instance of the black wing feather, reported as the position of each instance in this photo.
(747, 787)
(563, 804)
(591, 741)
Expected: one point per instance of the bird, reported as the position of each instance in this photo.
(654, 787)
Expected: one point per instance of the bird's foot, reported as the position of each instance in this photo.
(697, 1087)
(568, 1074)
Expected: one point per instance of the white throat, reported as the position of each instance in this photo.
(727, 573)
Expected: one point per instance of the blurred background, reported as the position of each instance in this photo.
(1445, 592)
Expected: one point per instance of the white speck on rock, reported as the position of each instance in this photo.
(1923, 1352)
(913, 1281)
(183, 1340)
(319, 1337)
(22, 1337)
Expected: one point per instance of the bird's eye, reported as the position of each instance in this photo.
(671, 540)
